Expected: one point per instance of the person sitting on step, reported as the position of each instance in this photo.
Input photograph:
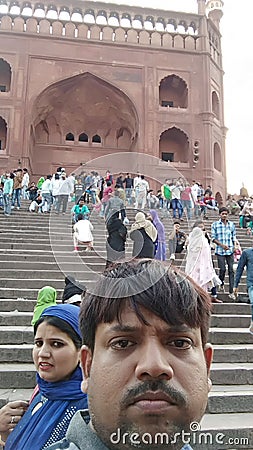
(80, 208)
(83, 233)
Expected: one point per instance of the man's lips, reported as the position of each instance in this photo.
(152, 401)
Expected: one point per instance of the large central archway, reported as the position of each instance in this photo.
(83, 105)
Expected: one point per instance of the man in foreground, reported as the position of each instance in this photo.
(145, 360)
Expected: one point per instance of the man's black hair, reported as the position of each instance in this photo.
(149, 284)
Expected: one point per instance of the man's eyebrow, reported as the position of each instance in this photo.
(123, 328)
(166, 328)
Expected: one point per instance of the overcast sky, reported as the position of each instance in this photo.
(238, 78)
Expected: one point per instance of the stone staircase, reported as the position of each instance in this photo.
(37, 250)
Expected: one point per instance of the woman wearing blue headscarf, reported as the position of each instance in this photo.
(57, 343)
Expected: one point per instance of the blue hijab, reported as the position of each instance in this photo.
(48, 416)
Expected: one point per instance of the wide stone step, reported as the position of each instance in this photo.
(231, 308)
(231, 431)
(230, 336)
(16, 353)
(233, 353)
(230, 374)
(17, 266)
(17, 376)
(22, 276)
(16, 335)
(10, 293)
(230, 399)
(20, 304)
(15, 318)
(22, 284)
(230, 321)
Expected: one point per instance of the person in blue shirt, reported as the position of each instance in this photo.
(246, 260)
(223, 234)
(80, 208)
(7, 193)
(145, 359)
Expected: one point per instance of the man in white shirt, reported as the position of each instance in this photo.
(83, 233)
(141, 190)
(66, 188)
(25, 184)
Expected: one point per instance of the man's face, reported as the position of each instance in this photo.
(145, 378)
(224, 216)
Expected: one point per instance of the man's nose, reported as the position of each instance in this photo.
(154, 362)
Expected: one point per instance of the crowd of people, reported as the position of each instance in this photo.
(163, 312)
(54, 191)
(75, 383)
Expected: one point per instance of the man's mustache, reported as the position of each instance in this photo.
(175, 395)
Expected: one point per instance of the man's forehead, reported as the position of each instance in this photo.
(129, 319)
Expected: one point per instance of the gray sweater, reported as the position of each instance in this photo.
(79, 435)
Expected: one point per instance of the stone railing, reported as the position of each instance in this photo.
(103, 22)
(95, 32)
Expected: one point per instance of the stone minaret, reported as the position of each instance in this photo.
(214, 10)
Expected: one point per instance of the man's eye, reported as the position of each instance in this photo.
(182, 343)
(121, 343)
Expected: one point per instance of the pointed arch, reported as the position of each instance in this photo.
(174, 145)
(5, 76)
(3, 133)
(101, 106)
(173, 92)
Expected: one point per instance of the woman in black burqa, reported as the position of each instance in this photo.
(116, 240)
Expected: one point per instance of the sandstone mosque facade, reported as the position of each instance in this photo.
(80, 80)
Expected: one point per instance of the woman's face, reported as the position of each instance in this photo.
(54, 354)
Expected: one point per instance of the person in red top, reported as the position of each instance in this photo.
(210, 202)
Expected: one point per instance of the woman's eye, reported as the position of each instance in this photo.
(122, 343)
(57, 344)
(182, 343)
(38, 343)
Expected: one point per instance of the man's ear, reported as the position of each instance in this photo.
(208, 352)
(86, 361)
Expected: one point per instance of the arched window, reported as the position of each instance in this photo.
(70, 137)
(5, 76)
(174, 146)
(3, 133)
(215, 105)
(173, 92)
(97, 139)
(217, 157)
(83, 137)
